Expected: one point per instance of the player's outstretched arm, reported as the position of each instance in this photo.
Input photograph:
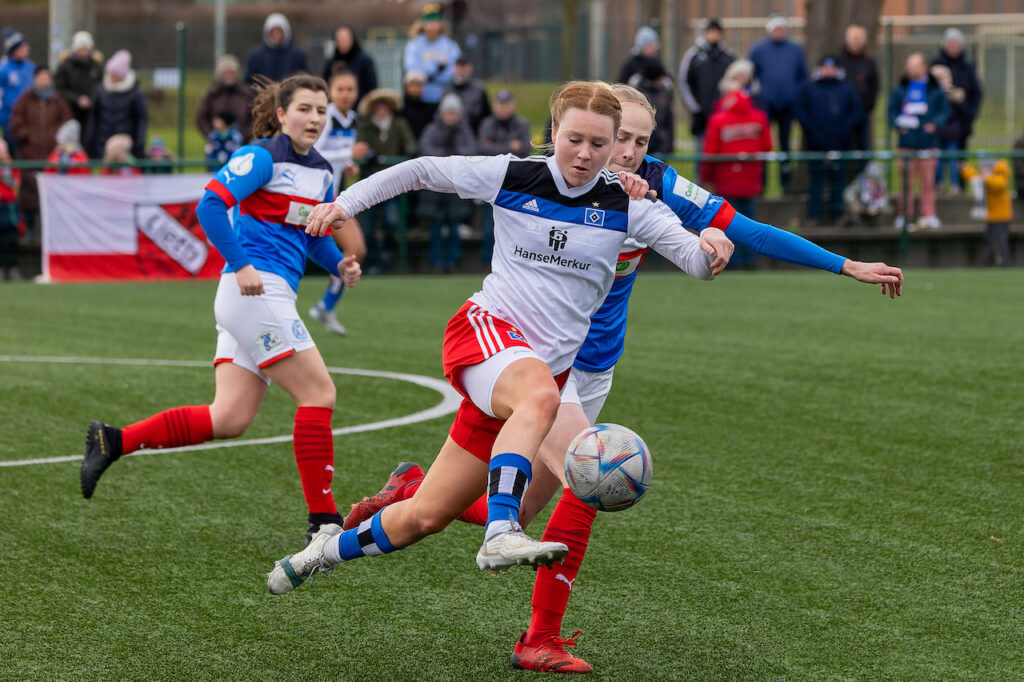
(714, 242)
(891, 278)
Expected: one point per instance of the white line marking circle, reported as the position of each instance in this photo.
(450, 400)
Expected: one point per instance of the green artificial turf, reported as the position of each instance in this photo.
(836, 495)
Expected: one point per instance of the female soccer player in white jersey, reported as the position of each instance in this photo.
(559, 225)
(335, 145)
(260, 337)
(541, 647)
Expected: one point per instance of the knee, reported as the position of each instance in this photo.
(325, 395)
(542, 403)
(228, 425)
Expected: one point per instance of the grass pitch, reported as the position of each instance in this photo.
(837, 493)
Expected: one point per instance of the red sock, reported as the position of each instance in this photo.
(314, 455)
(169, 429)
(476, 514)
(570, 523)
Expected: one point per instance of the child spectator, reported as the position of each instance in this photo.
(117, 157)
(448, 135)
(993, 181)
(475, 103)
(68, 157)
(223, 140)
(161, 162)
(917, 107)
(10, 180)
(381, 132)
(867, 197)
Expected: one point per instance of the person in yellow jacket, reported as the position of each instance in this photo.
(992, 183)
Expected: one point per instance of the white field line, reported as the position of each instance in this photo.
(450, 400)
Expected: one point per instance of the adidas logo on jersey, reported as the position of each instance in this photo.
(531, 205)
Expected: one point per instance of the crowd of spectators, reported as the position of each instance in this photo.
(93, 108)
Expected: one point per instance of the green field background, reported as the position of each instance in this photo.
(836, 496)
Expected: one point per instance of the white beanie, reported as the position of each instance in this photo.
(775, 21)
(80, 40)
(451, 102)
(953, 34)
(70, 132)
(644, 37)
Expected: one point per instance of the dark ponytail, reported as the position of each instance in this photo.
(271, 96)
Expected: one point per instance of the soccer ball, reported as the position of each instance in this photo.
(608, 467)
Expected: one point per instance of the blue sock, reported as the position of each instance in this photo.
(507, 482)
(335, 288)
(366, 539)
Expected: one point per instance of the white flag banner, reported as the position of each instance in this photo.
(97, 227)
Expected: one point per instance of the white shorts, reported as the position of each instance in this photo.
(256, 331)
(589, 390)
(478, 380)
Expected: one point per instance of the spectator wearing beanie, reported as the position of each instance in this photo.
(68, 157)
(965, 101)
(277, 58)
(16, 74)
(226, 93)
(118, 107)
(418, 113)
(700, 73)
(780, 68)
(645, 71)
(475, 104)
(432, 53)
(79, 74)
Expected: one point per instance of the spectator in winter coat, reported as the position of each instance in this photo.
(68, 157)
(829, 111)
(38, 113)
(736, 127)
(448, 134)
(780, 68)
(645, 71)
(381, 132)
(861, 72)
(504, 132)
(994, 180)
(414, 110)
(226, 93)
(475, 104)
(78, 75)
(349, 55)
(118, 107)
(917, 107)
(964, 96)
(10, 182)
(277, 58)
(700, 74)
(16, 74)
(432, 53)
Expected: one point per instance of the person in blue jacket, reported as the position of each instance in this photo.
(432, 53)
(780, 68)
(274, 183)
(830, 111)
(16, 74)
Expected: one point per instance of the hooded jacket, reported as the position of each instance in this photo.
(356, 61)
(736, 127)
(15, 78)
(936, 113)
(829, 110)
(276, 63)
(997, 191)
(700, 72)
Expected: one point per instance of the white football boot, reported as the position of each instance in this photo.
(328, 319)
(516, 548)
(294, 569)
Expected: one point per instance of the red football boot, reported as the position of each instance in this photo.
(403, 475)
(549, 656)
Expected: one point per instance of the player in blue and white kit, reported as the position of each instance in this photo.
(335, 145)
(260, 337)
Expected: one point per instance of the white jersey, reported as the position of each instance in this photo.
(555, 247)
(336, 141)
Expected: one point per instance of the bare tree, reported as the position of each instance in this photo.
(827, 21)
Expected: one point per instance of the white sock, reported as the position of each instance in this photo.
(495, 527)
(332, 550)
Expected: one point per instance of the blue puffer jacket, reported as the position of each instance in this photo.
(781, 69)
(936, 113)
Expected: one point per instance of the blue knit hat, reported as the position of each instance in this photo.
(12, 41)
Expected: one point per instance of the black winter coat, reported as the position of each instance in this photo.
(276, 63)
(829, 110)
(961, 119)
(359, 63)
(700, 72)
(862, 74)
(116, 112)
(75, 78)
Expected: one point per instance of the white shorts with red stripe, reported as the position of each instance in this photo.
(254, 332)
(472, 336)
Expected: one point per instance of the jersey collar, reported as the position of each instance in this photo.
(563, 188)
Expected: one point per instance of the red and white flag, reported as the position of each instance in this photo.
(124, 228)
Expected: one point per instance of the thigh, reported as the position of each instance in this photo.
(520, 380)
(305, 378)
(237, 399)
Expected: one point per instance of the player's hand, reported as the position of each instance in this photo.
(249, 281)
(349, 270)
(359, 150)
(323, 216)
(351, 171)
(714, 242)
(635, 186)
(889, 277)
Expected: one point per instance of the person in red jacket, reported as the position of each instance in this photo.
(736, 127)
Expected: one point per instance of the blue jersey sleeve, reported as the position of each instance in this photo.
(695, 206)
(324, 253)
(781, 244)
(213, 216)
(248, 169)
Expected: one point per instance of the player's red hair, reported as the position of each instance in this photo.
(592, 96)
